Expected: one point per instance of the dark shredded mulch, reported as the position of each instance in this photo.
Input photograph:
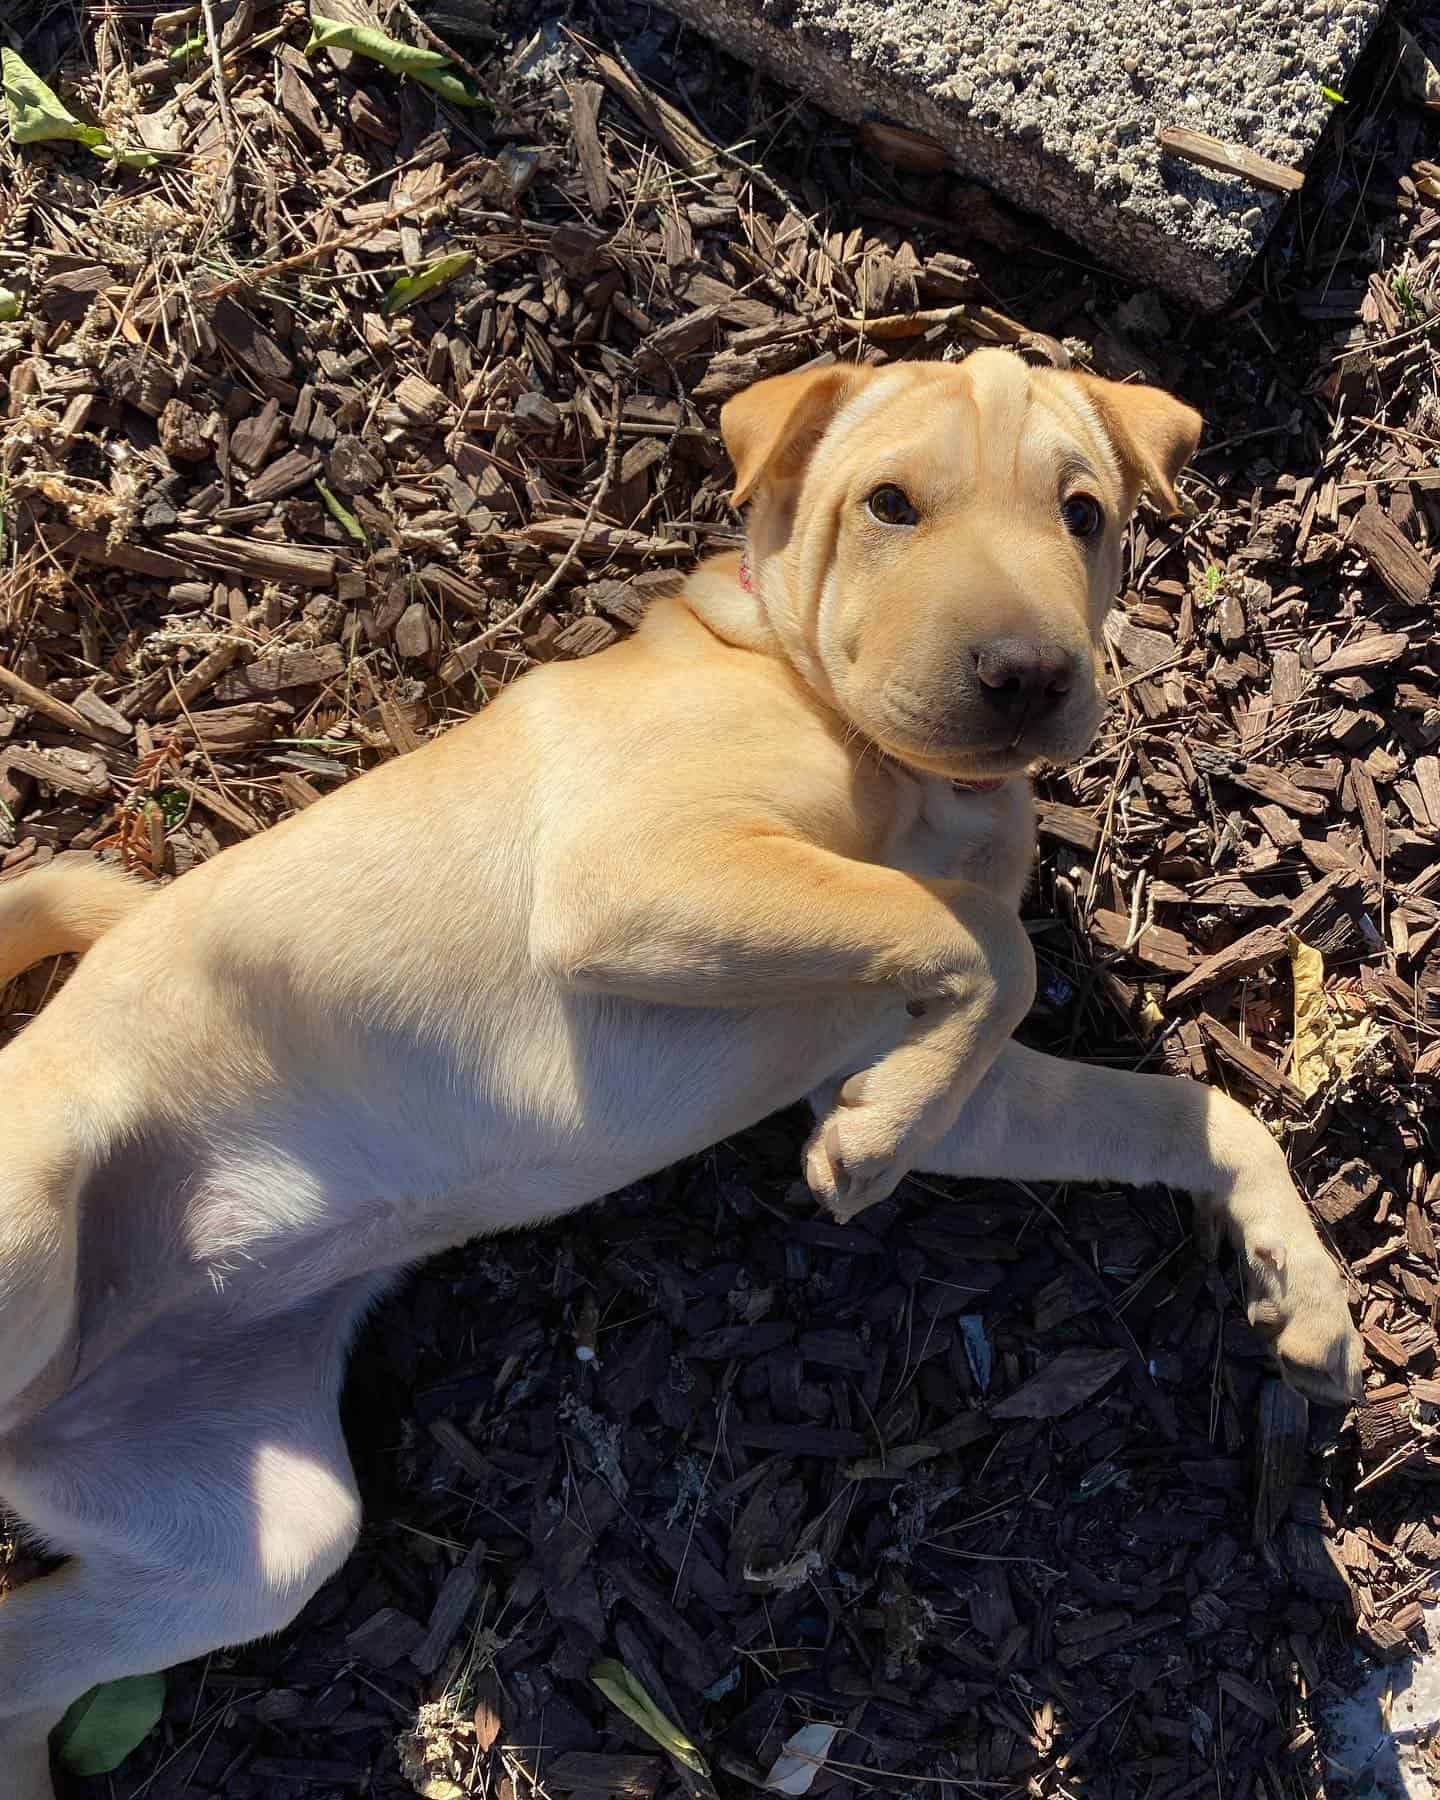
(995, 1480)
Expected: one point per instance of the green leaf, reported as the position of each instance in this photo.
(431, 67)
(38, 117)
(9, 305)
(410, 289)
(339, 510)
(127, 159)
(893, 1463)
(622, 1690)
(1330, 94)
(450, 85)
(104, 1726)
(36, 114)
(190, 51)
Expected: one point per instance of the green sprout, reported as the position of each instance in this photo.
(1402, 290)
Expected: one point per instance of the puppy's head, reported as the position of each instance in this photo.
(937, 544)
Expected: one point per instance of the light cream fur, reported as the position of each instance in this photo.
(634, 906)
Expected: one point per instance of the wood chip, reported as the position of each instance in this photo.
(1276, 786)
(414, 637)
(384, 1638)
(254, 348)
(1314, 1566)
(1267, 942)
(1067, 825)
(1392, 556)
(286, 475)
(81, 772)
(914, 151)
(456, 1596)
(1155, 947)
(200, 679)
(1280, 1451)
(1348, 1191)
(1385, 1424)
(1256, 1067)
(94, 547)
(1068, 1381)
(596, 539)
(1230, 159)
(1249, 1695)
(60, 712)
(828, 1442)
(229, 727)
(419, 401)
(252, 440)
(103, 719)
(1379, 650)
(352, 467)
(284, 669)
(1143, 650)
(186, 435)
(592, 1772)
(585, 98)
(583, 637)
(295, 564)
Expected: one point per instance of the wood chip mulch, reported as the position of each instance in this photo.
(996, 1480)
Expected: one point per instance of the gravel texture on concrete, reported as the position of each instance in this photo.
(1385, 1728)
(1056, 104)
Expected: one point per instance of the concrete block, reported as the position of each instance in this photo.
(1057, 104)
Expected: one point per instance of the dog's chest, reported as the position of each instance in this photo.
(943, 833)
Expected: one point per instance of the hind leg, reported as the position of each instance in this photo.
(202, 1488)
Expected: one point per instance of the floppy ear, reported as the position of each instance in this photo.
(1153, 434)
(770, 429)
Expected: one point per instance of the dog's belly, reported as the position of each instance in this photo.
(446, 1150)
(233, 1219)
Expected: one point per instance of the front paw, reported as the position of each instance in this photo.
(865, 1146)
(1300, 1306)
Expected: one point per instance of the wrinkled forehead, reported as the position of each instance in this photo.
(989, 417)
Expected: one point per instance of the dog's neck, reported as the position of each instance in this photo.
(721, 594)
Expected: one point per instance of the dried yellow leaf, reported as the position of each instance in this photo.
(1332, 1031)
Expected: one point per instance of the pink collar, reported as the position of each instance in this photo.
(747, 580)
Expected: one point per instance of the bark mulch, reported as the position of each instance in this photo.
(996, 1480)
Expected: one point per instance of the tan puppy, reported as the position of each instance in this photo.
(638, 904)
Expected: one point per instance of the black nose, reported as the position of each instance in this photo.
(1020, 675)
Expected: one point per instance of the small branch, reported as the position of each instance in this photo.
(229, 190)
(977, 321)
(343, 242)
(436, 42)
(1230, 159)
(54, 710)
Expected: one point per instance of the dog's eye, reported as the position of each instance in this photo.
(1083, 515)
(892, 506)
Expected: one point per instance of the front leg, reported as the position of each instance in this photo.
(764, 920)
(1037, 1118)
